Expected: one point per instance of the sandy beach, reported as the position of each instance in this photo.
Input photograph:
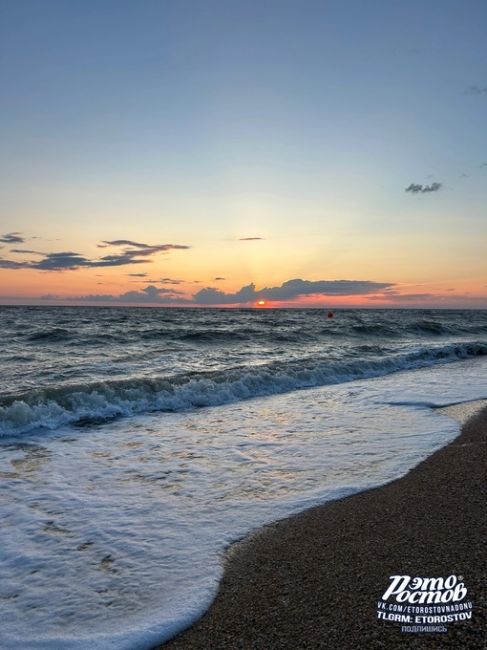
(313, 580)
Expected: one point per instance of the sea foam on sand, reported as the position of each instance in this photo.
(113, 534)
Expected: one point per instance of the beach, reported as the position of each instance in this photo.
(137, 446)
(313, 580)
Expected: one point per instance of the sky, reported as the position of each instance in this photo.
(231, 152)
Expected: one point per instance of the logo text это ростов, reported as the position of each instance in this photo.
(424, 604)
(425, 590)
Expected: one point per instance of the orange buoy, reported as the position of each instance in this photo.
(330, 314)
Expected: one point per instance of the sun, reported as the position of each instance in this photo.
(261, 303)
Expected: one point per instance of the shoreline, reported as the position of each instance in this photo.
(313, 580)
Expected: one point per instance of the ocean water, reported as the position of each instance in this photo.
(136, 444)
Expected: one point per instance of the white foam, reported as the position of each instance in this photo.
(113, 534)
(463, 411)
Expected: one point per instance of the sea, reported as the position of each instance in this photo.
(136, 444)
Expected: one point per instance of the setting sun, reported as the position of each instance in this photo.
(261, 303)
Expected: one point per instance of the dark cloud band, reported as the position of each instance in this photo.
(289, 291)
(69, 260)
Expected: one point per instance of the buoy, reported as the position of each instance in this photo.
(330, 314)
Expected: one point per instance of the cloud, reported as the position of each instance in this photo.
(70, 260)
(286, 292)
(61, 261)
(170, 281)
(149, 295)
(416, 188)
(137, 275)
(218, 279)
(24, 251)
(124, 242)
(289, 290)
(250, 238)
(12, 238)
(136, 248)
(477, 90)
(11, 264)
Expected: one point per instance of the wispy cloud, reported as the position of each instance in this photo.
(250, 238)
(23, 251)
(146, 279)
(124, 242)
(477, 90)
(417, 188)
(12, 238)
(170, 281)
(69, 260)
(218, 279)
(138, 249)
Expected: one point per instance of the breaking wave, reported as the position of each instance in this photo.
(92, 402)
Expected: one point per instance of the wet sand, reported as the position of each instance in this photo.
(313, 580)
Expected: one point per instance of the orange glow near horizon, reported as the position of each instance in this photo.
(227, 269)
(196, 269)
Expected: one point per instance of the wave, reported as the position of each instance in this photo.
(375, 329)
(422, 327)
(55, 334)
(212, 336)
(98, 401)
(430, 327)
(283, 330)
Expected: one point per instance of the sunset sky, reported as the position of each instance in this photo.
(178, 152)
